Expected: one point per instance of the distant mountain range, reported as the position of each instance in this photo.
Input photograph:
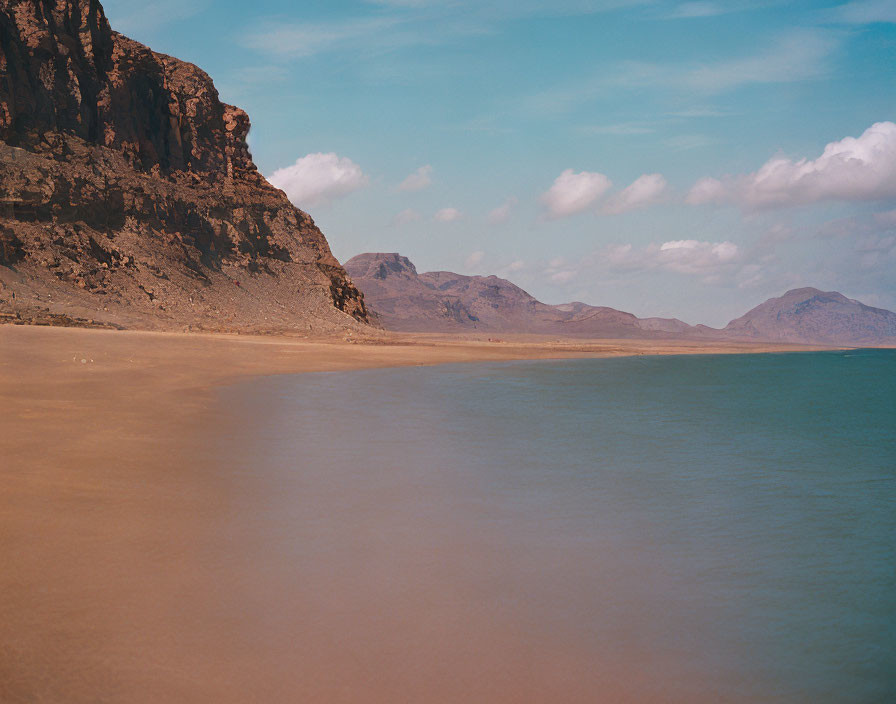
(442, 301)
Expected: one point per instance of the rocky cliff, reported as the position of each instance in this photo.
(128, 195)
(442, 301)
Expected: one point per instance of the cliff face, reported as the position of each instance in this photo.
(128, 194)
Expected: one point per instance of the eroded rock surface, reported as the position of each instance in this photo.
(128, 194)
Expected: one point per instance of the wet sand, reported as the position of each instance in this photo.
(110, 513)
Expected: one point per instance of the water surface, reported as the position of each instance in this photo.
(676, 529)
(672, 530)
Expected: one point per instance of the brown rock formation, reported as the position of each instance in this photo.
(128, 194)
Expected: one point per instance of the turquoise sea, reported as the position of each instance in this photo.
(716, 528)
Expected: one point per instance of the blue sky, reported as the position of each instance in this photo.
(685, 159)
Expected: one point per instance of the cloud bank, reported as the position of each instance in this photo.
(681, 256)
(852, 169)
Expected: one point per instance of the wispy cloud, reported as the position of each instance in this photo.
(699, 9)
(691, 10)
(502, 212)
(447, 215)
(474, 260)
(620, 129)
(417, 181)
(863, 12)
(395, 24)
(683, 142)
(292, 40)
(139, 17)
(798, 56)
(699, 112)
(406, 216)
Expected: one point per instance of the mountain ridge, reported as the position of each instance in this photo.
(408, 301)
(443, 301)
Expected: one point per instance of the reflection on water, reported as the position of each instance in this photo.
(683, 529)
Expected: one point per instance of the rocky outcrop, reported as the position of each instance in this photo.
(442, 301)
(808, 315)
(128, 194)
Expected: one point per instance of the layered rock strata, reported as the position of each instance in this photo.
(128, 194)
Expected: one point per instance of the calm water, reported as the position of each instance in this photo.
(676, 529)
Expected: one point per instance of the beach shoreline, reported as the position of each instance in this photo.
(111, 487)
(48, 373)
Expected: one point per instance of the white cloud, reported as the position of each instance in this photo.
(706, 190)
(406, 216)
(559, 272)
(448, 215)
(681, 256)
(418, 180)
(693, 256)
(563, 277)
(646, 190)
(475, 259)
(574, 192)
(852, 169)
(319, 178)
(502, 212)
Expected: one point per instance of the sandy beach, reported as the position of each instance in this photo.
(100, 526)
(71, 395)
